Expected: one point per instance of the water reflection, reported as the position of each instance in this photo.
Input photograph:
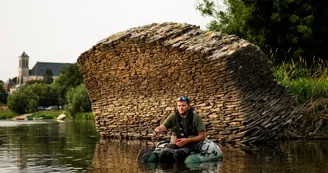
(46, 146)
(206, 167)
(283, 157)
(120, 156)
(75, 147)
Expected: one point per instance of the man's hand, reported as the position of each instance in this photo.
(157, 131)
(153, 137)
(182, 142)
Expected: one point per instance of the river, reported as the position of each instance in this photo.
(75, 146)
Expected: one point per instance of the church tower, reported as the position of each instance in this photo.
(23, 69)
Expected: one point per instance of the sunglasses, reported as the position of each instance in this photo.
(182, 99)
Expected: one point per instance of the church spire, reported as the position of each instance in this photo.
(23, 69)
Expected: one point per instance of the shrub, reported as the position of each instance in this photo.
(78, 100)
(7, 114)
(84, 116)
(20, 100)
(46, 114)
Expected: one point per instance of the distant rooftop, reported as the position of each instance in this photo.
(10, 82)
(40, 67)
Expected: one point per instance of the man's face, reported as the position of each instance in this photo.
(182, 107)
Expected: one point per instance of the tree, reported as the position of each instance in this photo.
(294, 27)
(48, 76)
(47, 94)
(3, 93)
(78, 100)
(34, 81)
(22, 100)
(70, 77)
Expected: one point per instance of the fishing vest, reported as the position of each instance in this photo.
(184, 127)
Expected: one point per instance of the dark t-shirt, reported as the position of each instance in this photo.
(197, 122)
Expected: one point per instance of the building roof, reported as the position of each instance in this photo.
(10, 82)
(24, 55)
(40, 67)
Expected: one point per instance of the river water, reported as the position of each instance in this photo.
(75, 146)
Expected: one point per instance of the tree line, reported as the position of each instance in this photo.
(67, 91)
(288, 28)
(3, 93)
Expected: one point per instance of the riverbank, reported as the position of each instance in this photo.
(6, 114)
(309, 83)
(55, 113)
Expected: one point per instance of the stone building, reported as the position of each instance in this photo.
(38, 70)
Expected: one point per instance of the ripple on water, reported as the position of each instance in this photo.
(6, 123)
(8, 169)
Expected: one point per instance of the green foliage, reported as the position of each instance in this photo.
(299, 27)
(308, 89)
(48, 76)
(41, 93)
(32, 104)
(70, 77)
(47, 94)
(21, 100)
(7, 114)
(78, 100)
(84, 116)
(3, 93)
(31, 82)
(308, 81)
(29, 97)
(46, 114)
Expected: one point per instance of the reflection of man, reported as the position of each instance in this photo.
(189, 128)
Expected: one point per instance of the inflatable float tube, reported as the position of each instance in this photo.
(209, 151)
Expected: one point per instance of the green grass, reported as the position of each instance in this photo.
(308, 81)
(84, 116)
(308, 89)
(6, 114)
(46, 114)
(54, 114)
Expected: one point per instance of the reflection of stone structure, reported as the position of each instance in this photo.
(115, 157)
(133, 78)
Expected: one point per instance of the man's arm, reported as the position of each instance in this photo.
(167, 124)
(160, 128)
(184, 141)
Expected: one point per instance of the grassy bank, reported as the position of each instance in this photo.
(84, 116)
(55, 113)
(6, 114)
(46, 114)
(309, 82)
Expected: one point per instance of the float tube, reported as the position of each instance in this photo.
(209, 151)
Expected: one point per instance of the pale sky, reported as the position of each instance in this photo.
(60, 30)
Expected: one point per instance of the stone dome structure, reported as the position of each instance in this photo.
(134, 77)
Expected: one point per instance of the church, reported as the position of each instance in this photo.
(36, 73)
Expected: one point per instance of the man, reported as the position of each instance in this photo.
(189, 128)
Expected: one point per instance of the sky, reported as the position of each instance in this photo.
(60, 30)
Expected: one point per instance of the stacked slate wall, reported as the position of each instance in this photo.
(135, 76)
